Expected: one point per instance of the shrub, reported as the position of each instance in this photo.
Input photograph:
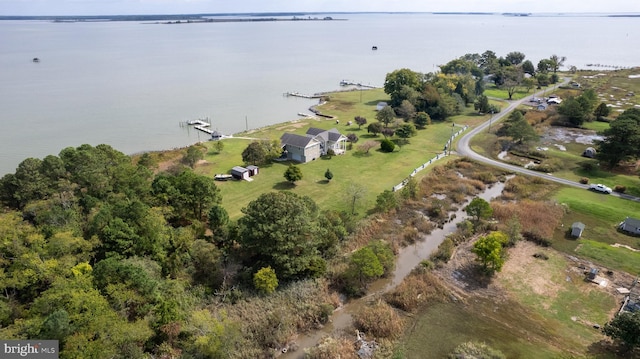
(410, 235)
(386, 145)
(379, 320)
(418, 288)
(619, 188)
(265, 280)
(444, 251)
(584, 180)
(330, 348)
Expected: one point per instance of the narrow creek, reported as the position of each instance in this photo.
(407, 259)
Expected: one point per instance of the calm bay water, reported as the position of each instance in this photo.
(130, 84)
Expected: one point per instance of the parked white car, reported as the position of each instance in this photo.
(600, 188)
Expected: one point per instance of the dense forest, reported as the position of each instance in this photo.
(115, 261)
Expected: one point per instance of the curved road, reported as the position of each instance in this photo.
(463, 149)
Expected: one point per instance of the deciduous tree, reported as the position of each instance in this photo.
(293, 173)
(479, 209)
(625, 327)
(360, 121)
(490, 251)
(386, 115)
(622, 139)
(193, 155)
(397, 80)
(375, 128)
(279, 229)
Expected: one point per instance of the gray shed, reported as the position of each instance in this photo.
(589, 152)
(576, 229)
(240, 172)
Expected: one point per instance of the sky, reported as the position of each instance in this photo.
(128, 7)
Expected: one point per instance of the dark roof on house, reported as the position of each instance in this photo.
(327, 135)
(315, 131)
(578, 225)
(296, 140)
(252, 167)
(632, 222)
(239, 169)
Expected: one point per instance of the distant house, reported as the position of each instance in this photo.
(576, 229)
(240, 173)
(329, 140)
(630, 225)
(381, 105)
(541, 107)
(300, 148)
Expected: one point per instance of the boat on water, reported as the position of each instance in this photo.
(35, 59)
(374, 47)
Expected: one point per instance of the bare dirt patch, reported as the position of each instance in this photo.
(553, 135)
(529, 270)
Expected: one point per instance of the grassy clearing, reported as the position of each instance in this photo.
(532, 311)
(495, 92)
(611, 257)
(376, 171)
(601, 214)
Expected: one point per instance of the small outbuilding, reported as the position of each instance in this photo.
(590, 152)
(541, 107)
(240, 173)
(253, 170)
(630, 225)
(216, 135)
(576, 229)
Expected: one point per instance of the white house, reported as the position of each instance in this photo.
(630, 225)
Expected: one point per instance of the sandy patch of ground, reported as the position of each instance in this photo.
(534, 271)
(624, 246)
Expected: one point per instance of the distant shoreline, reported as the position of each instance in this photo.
(295, 16)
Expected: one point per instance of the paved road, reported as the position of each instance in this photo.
(463, 149)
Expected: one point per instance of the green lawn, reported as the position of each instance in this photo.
(601, 215)
(494, 92)
(376, 171)
(611, 257)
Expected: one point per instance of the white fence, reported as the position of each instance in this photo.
(437, 157)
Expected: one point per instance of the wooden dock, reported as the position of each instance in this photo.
(200, 125)
(359, 84)
(298, 94)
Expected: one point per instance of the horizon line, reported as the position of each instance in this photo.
(288, 13)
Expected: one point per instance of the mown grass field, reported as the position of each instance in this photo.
(375, 171)
(601, 215)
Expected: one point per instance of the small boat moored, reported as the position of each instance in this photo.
(374, 47)
(35, 59)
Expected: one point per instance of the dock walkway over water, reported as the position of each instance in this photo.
(359, 84)
(298, 94)
(201, 125)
